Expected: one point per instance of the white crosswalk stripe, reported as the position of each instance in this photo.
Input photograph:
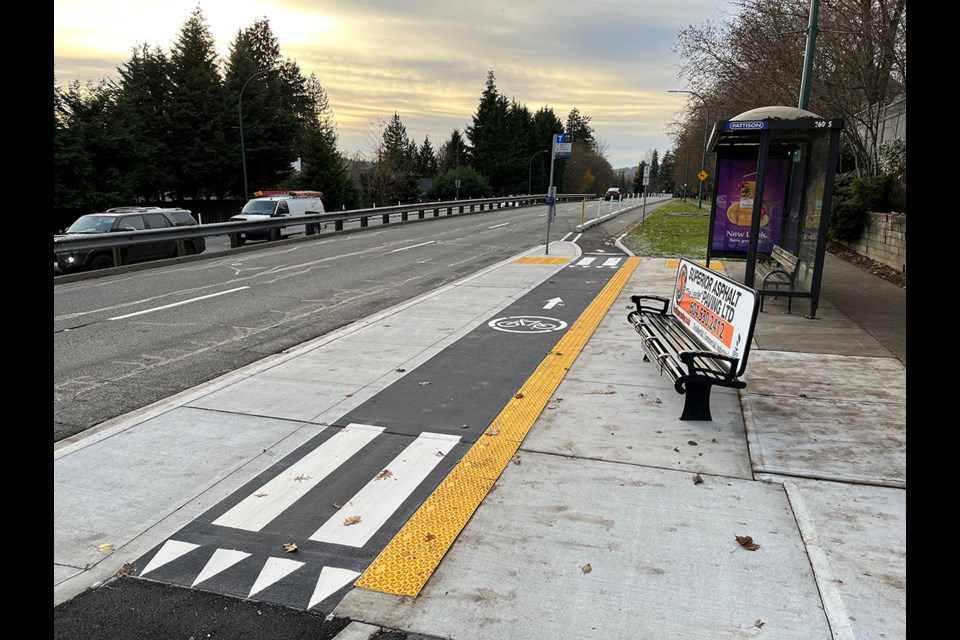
(267, 502)
(384, 494)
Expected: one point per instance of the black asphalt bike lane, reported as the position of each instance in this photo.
(457, 393)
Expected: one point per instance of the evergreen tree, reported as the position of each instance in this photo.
(426, 160)
(322, 166)
(142, 116)
(545, 126)
(655, 172)
(197, 118)
(578, 126)
(488, 138)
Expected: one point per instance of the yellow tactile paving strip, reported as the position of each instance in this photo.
(408, 561)
(714, 265)
(541, 260)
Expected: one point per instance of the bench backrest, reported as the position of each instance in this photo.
(784, 257)
(721, 312)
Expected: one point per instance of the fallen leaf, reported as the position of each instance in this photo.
(464, 426)
(351, 520)
(439, 454)
(423, 382)
(289, 547)
(552, 406)
(518, 395)
(803, 395)
(337, 505)
(692, 443)
(515, 459)
(758, 623)
(383, 475)
(677, 449)
(105, 547)
(259, 495)
(586, 568)
(429, 537)
(126, 570)
(558, 353)
(349, 395)
(603, 391)
(492, 432)
(400, 370)
(301, 478)
(657, 401)
(629, 446)
(747, 543)
(697, 479)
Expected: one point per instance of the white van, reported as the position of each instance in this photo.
(275, 204)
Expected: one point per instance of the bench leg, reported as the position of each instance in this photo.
(696, 403)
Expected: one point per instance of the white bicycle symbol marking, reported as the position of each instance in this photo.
(527, 324)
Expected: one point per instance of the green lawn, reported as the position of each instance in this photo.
(678, 229)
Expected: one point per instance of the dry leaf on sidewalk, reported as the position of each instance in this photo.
(603, 391)
(423, 382)
(586, 568)
(758, 623)
(697, 479)
(125, 570)
(747, 543)
(289, 547)
(383, 475)
(351, 520)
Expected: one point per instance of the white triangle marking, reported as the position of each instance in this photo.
(611, 262)
(221, 559)
(171, 550)
(274, 569)
(585, 262)
(331, 579)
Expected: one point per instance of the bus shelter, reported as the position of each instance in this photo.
(771, 198)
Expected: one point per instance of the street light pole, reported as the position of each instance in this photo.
(530, 170)
(706, 125)
(243, 151)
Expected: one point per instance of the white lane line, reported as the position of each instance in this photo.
(384, 494)
(414, 246)
(574, 241)
(566, 236)
(267, 502)
(499, 225)
(177, 304)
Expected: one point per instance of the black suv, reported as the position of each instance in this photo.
(126, 219)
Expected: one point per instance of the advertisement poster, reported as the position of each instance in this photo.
(716, 309)
(736, 194)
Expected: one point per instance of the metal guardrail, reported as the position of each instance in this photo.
(117, 240)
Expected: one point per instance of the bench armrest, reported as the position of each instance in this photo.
(688, 358)
(661, 308)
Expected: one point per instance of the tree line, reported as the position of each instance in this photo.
(179, 126)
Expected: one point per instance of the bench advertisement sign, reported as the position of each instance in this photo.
(733, 209)
(716, 309)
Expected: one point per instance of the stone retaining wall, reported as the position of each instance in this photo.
(884, 239)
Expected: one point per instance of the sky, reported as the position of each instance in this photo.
(427, 60)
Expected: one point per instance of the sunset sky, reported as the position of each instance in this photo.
(428, 60)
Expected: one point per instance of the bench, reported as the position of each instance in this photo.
(701, 336)
(778, 270)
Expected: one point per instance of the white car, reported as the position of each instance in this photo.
(276, 204)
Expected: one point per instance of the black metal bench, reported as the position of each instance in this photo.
(778, 270)
(701, 336)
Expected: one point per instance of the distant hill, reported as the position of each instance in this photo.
(627, 170)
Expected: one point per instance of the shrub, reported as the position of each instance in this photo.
(852, 198)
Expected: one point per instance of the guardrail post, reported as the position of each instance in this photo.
(449, 211)
(386, 218)
(338, 225)
(363, 221)
(436, 212)
(235, 240)
(420, 214)
(403, 216)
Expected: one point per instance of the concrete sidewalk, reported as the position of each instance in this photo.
(616, 519)
(601, 531)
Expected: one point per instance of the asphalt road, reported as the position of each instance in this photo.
(126, 340)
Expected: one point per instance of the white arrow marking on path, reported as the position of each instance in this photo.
(552, 303)
(171, 550)
(267, 502)
(331, 579)
(273, 570)
(221, 559)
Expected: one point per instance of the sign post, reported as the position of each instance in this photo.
(560, 148)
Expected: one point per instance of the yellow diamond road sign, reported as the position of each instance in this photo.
(702, 175)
